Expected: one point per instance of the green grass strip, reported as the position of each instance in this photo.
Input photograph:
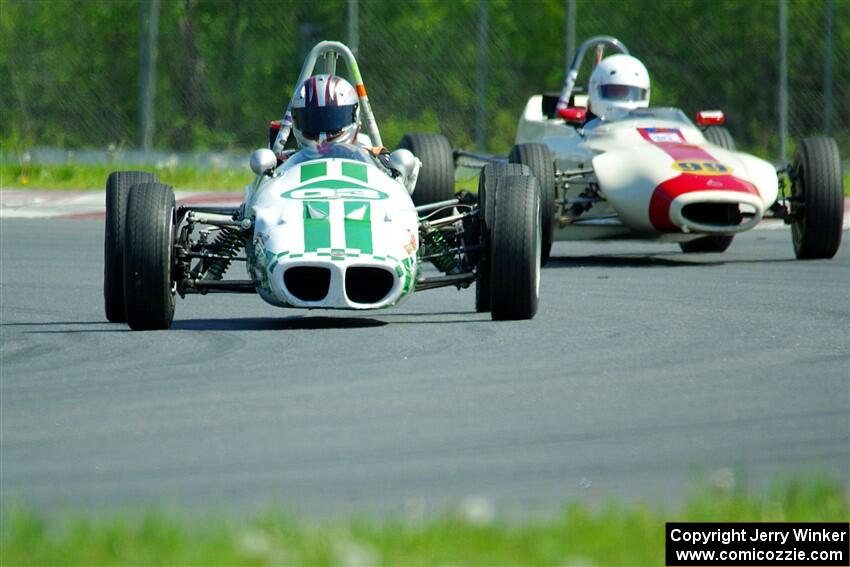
(610, 534)
(93, 177)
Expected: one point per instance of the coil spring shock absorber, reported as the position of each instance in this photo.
(227, 243)
(438, 248)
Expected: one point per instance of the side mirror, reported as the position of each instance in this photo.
(262, 160)
(710, 118)
(573, 115)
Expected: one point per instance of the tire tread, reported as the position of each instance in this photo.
(514, 254)
(487, 186)
(539, 160)
(720, 136)
(118, 186)
(147, 257)
(820, 234)
(436, 176)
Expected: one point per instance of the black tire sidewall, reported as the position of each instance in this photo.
(148, 256)
(490, 174)
(707, 244)
(118, 186)
(816, 230)
(516, 237)
(720, 136)
(539, 160)
(436, 181)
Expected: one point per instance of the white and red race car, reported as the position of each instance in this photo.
(654, 174)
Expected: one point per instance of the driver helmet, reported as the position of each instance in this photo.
(326, 109)
(618, 84)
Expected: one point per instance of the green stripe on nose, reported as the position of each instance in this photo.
(358, 226)
(355, 171)
(317, 225)
(312, 170)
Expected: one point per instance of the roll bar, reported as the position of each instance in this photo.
(331, 50)
(600, 42)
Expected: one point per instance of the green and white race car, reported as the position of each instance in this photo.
(330, 226)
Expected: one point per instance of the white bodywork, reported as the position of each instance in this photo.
(334, 213)
(649, 167)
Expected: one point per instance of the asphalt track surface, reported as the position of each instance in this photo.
(644, 370)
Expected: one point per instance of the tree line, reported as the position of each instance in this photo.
(69, 69)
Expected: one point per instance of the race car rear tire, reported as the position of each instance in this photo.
(817, 204)
(486, 186)
(539, 160)
(516, 242)
(720, 136)
(706, 244)
(118, 186)
(149, 290)
(436, 180)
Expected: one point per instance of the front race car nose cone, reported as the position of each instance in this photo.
(716, 211)
(308, 283)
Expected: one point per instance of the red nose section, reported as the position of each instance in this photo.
(700, 172)
(659, 204)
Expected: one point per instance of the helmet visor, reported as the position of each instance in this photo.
(622, 92)
(313, 120)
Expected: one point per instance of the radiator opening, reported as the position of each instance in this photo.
(365, 284)
(308, 283)
(715, 214)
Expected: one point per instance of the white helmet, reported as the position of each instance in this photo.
(618, 84)
(326, 109)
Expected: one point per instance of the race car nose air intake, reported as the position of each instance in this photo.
(714, 214)
(365, 284)
(308, 283)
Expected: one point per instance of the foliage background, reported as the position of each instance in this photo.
(69, 69)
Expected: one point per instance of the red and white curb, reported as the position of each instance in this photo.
(35, 204)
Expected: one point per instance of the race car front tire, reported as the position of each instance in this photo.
(720, 136)
(539, 160)
(149, 291)
(707, 244)
(118, 186)
(515, 247)
(490, 173)
(436, 180)
(817, 206)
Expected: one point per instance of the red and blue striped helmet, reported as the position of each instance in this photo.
(326, 109)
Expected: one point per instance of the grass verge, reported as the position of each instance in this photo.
(86, 177)
(611, 535)
(91, 177)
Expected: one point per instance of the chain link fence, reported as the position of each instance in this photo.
(71, 72)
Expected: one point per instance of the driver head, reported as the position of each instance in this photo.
(618, 84)
(326, 109)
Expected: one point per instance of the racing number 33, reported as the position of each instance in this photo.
(702, 167)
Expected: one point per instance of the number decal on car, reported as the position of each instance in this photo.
(702, 167)
(335, 193)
